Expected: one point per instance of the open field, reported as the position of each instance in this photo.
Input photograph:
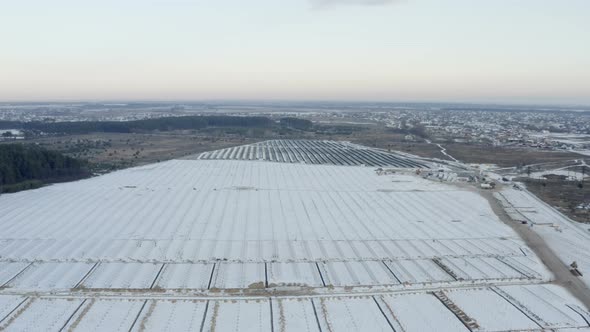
(566, 196)
(467, 153)
(122, 150)
(561, 184)
(421, 149)
(505, 156)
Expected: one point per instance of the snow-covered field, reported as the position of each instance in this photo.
(258, 245)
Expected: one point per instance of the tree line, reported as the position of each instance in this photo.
(161, 124)
(26, 166)
(296, 123)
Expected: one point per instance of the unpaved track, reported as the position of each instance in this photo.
(535, 242)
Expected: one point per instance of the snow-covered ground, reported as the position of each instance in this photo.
(259, 245)
(568, 239)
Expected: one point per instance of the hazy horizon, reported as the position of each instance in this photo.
(407, 51)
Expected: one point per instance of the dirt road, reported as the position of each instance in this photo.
(560, 270)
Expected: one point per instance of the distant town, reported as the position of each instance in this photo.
(545, 128)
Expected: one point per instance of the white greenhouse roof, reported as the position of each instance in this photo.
(258, 245)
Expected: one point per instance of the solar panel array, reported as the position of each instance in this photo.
(313, 152)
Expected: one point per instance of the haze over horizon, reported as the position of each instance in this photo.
(344, 50)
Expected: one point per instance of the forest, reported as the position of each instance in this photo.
(161, 124)
(27, 166)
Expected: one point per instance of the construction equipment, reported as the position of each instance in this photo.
(574, 269)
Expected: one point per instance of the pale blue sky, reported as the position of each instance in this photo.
(535, 51)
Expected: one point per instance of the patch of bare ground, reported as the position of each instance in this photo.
(566, 196)
(504, 156)
(120, 150)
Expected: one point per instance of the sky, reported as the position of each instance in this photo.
(500, 51)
